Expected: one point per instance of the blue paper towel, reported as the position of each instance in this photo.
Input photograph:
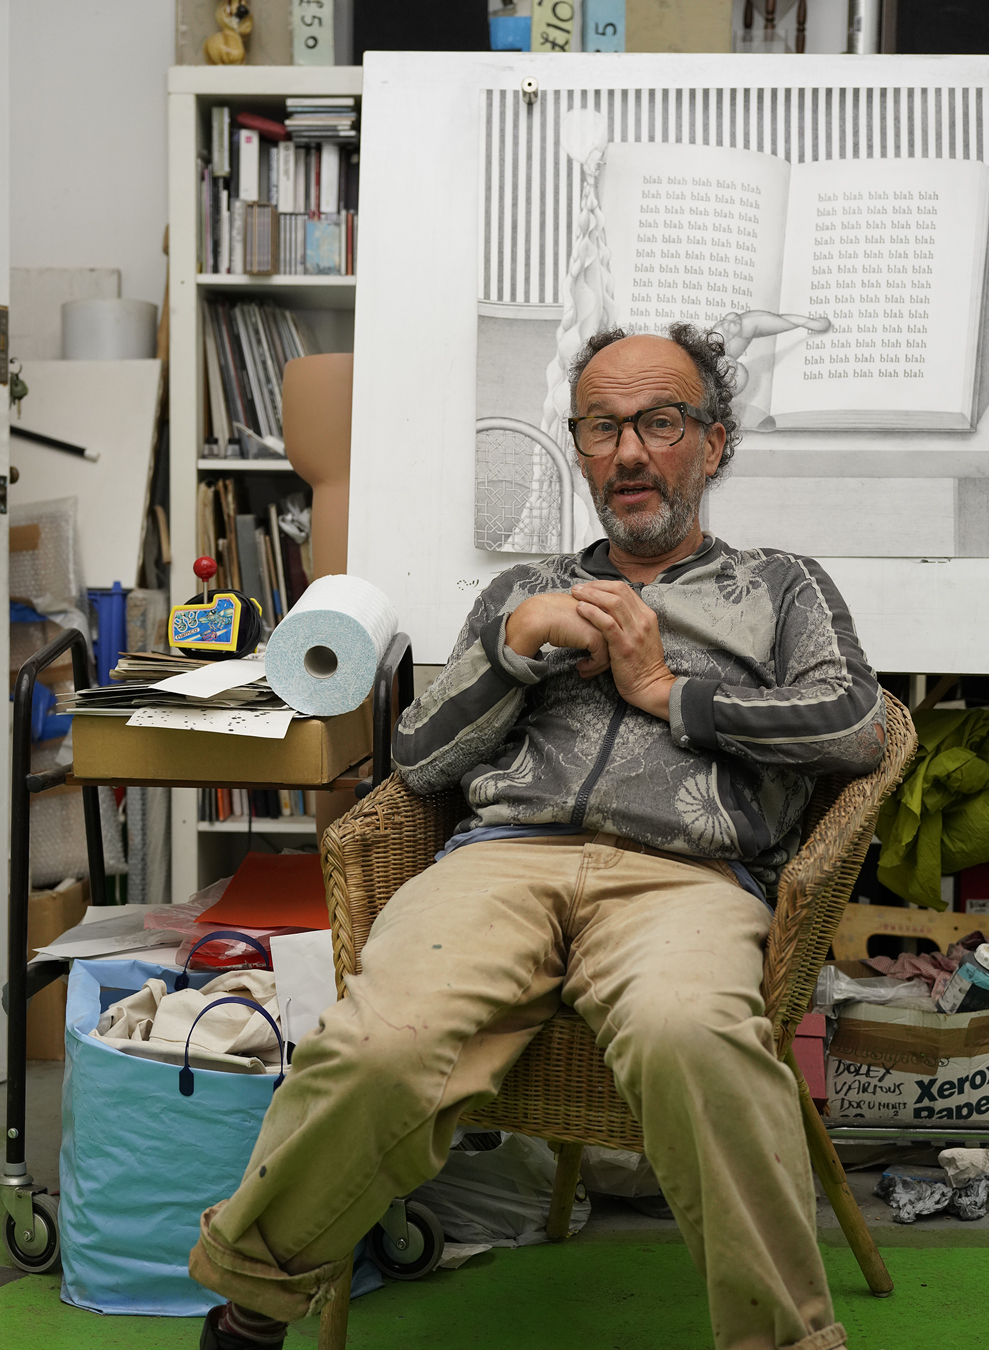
(322, 657)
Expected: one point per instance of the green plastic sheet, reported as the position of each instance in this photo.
(937, 820)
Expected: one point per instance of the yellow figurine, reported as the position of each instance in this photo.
(226, 48)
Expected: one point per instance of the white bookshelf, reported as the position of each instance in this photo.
(297, 292)
(325, 306)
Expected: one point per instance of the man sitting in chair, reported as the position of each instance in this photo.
(636, 730)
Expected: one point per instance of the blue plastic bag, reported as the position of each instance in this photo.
(139, 1161)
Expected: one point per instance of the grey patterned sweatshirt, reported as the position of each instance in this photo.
(772, 689)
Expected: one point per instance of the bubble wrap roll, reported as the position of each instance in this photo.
(322, 657)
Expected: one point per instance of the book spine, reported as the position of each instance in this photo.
(276, 599)
(238, 259)
(284, 802)
(266, 598)
(214, 383)
(273, 175)
(286, 176)
(215, 186)
(228, 361)
(224, 231)
(269, 320)
(353, 163)
(296, 576)
(309, 799)
(249, 165)
(247, 550)
(275, 541)
(264, 180)
(245, 385)
(262, 412)
(604, 26)
(220, 141)
(268, 383)
(233, 181)
(329, 178)
(300, 180)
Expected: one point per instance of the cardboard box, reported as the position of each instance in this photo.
(51, 913)
(890, 1065)
(314, 752)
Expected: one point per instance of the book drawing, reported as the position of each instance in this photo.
(866, 276)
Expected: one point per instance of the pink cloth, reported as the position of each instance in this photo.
(907, 967)
(931, 965)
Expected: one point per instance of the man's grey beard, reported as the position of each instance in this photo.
(645, 533)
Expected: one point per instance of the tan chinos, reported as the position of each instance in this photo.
(662, 957)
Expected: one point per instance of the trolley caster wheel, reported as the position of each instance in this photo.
(42, 1252)
(423, 1253)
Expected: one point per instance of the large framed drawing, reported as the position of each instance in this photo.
(828, 215)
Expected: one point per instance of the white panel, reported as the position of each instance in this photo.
(853, 517)
(109, 407)
(914, 615)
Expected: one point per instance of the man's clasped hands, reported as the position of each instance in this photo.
(614, 625)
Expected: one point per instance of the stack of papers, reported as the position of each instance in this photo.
(231, 697)
(150, 666)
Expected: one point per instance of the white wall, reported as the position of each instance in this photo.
(88, 160)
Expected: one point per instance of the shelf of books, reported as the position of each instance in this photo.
(267, 810)
(296, 825)
(263, 246)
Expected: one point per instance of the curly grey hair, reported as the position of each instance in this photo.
(706, 348)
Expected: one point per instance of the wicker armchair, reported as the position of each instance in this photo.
(560, 1088)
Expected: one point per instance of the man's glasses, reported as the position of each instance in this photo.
(656, 428)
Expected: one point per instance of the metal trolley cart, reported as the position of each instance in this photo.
(407, 1244)
(30, 1214)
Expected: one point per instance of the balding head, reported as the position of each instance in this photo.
(698, 354)
(646, 368)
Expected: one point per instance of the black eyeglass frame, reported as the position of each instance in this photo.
(685, 409)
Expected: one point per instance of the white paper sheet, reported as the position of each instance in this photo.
(304, 979)
(100, 913)
(271, 725)
(214, 678)
(123, 932)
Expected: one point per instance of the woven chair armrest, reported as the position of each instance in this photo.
(815, 886)
(382, 842)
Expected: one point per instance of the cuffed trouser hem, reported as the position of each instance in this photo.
(262, 1286)
(828, 1338)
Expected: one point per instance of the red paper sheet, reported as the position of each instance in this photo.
(273, 890)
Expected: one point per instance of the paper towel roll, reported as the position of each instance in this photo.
(109, 330)
(322, 657)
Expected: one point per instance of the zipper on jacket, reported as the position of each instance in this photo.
(587, 787)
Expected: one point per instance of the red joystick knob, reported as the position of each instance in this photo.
(204, 568)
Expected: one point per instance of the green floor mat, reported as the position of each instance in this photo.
(595, 1295)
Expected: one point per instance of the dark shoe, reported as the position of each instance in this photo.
(214, 1339)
